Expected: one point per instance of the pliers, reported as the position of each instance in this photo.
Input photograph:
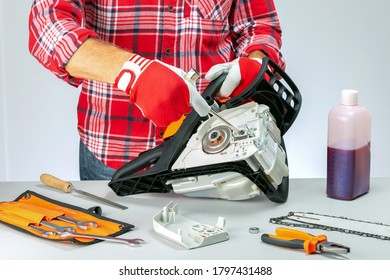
(296, 239)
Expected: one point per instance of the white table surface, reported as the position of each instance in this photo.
(307, 195)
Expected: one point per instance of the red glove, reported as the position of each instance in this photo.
(159, 90)
(241, 73)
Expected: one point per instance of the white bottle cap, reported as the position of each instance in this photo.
(349, 97)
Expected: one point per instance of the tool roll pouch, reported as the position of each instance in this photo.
(31, 211)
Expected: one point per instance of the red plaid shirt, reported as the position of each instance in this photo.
(184, 33)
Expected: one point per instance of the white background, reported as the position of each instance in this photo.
(328, 45)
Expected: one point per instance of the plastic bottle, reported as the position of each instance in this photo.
(349, 141)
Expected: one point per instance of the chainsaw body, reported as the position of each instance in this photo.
(206, 158)
(257, 143)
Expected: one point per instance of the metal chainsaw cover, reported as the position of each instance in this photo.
(257, 143)
(207, 158)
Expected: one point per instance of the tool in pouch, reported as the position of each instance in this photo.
(50, 219)
(54, 182)
(207, 158)
(296, 239)
(334, 223)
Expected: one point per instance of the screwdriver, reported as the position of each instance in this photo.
(54, 182)
(192, 76)
(202, 108)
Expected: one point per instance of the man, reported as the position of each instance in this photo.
(130, 58)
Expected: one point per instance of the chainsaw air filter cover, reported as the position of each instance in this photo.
(207, 158)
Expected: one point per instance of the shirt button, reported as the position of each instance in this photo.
(167, 51)
(161, 133)
(170, 8)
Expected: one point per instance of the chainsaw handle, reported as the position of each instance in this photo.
(213, 88)
(144, 160)
(278, 92)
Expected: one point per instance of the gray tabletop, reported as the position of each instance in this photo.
(308, 195)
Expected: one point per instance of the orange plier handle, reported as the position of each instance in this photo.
(295, 239)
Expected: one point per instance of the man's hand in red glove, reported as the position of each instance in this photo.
(241, 73)
(159, 90)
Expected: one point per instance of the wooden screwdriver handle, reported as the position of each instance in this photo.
(54, 182)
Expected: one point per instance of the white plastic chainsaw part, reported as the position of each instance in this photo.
(185, 232)
(224, 185)
(258, 143)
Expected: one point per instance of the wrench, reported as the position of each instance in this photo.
(44, 233)
(57, 228)
(132, 242)
(80, 224)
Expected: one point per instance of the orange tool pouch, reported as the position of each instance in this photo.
(31, 210)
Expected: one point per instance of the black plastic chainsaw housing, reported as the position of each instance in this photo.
(150, 171)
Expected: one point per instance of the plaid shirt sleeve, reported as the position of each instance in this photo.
(255, 26)
(55, 33)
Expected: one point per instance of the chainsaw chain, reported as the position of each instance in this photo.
(285, 221)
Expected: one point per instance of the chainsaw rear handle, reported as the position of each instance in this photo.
(144, 160)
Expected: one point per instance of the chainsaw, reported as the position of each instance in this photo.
(235, 154)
